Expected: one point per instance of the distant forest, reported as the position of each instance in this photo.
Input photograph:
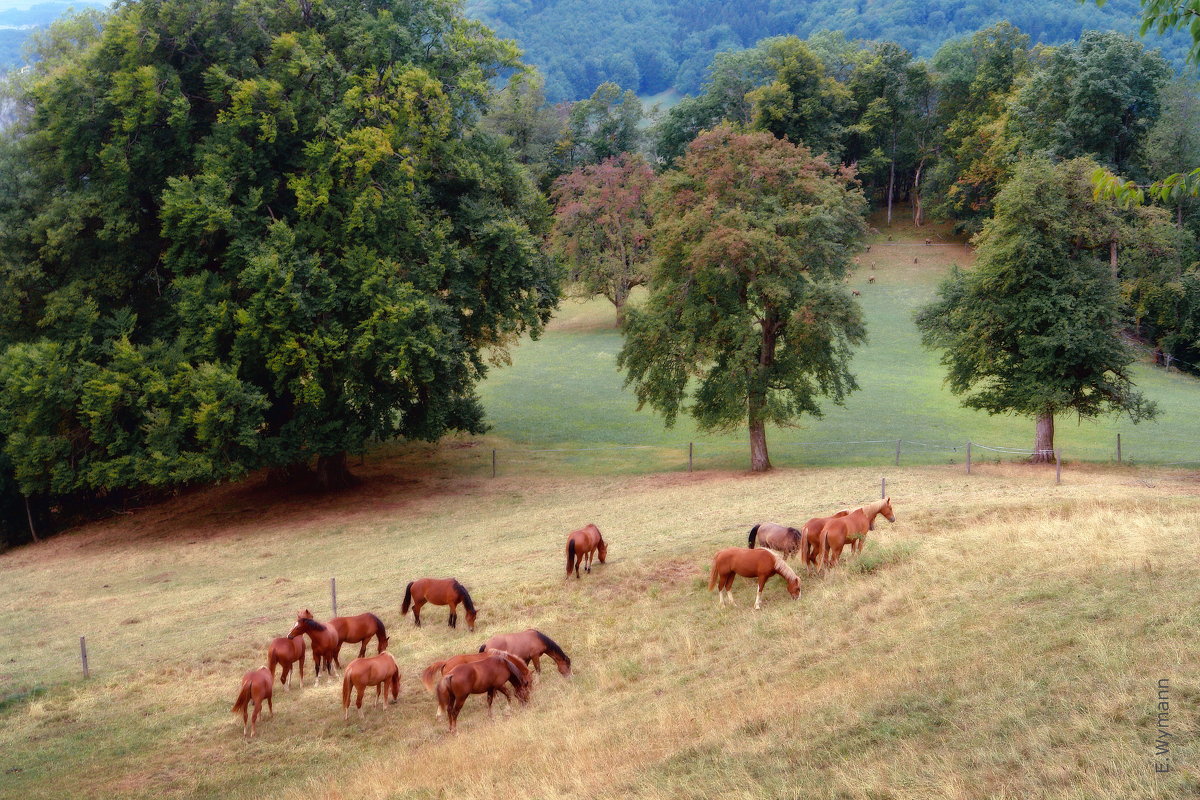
(654, 45)
(15, 26)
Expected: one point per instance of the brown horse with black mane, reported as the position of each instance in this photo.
(758, 563)
(324, 640)
(440, 592)
(778, 537)
(256, 688)
(530, 645)
(851, 527)
(487, 675)
(581, 546)
(285, 652)
(359, 628)
(437, 669)
(380, 671)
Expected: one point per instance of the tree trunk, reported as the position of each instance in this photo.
(759, 460)
(891, 184)
(332, 472)
(289, 475)
(918, 212)
(620, 298)
(1043, 444)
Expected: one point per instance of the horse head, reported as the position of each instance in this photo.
(471, 618)
(886, 509)
(602, 550)
(793, 584)
(304, 613)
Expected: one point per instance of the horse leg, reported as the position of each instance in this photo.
(417, 611)
(453, 614)
(537, 663)
(254, 718)
(491, 695)
(283, 674)
(358, 701)
(758, 597)
(362, 651)
(245, 718)
(270, 706)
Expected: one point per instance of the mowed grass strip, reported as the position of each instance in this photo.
(1002, 639)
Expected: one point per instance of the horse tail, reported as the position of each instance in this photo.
(407, 599)
(381, 632)
(431, 674)
(753, 535)
(271, 661)
(824, 548)
(243, 697)
(712, 580)
(552, 647)
(346, 689)
(443, 693)
(570, 556)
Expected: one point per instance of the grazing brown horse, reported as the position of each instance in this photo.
(851, 528)
(435, 671)
(530, 645)
(440, 592)
(256, 687)
(778, 537)
(812, 537)
(285, 652)
(380, 671)
(583, 544)
(760, 564)
(487, 675)
(324, 640)
(359, 628)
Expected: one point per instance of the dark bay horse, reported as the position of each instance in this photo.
(359, 628)
(760, 564)
(434, 671)
(778, 537)
(440, 592)
(256, 688)
(851, 528)
(811, 531)
(529, 646)
(285, 652)
(380, 671)
(486, 675)
(583, 544)
(324, 640)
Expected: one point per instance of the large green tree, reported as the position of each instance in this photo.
(1034, 328)
(748, 307)
(239, 233)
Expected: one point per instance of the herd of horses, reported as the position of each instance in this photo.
(504, 660)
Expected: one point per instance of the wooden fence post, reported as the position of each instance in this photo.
(493, 463)
(882, 488)
(1057, 466)
(897, 452)
(968, 458)
(690, 456)
(83, 655)
(1118, 448)
(333, 594)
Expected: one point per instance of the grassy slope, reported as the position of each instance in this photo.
(1001, 640)
(579, 400)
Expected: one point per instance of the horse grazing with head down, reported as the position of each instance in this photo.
(256, 688)
(359, 628)
(440, 592)
(285, 652)
(778, 537)
(487, 675)
(380, 671)
(529, 646)
(758, 563)
(324, 640)
(582, 545)
(437, 669)
(851, 527)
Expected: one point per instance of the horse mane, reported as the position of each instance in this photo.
(781, 565)
(379, 622)
(464, 596)
(552, 647)
(309, 622)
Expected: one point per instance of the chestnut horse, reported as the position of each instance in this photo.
(380, 671)
(359, 628)
(778, 537)
(440, 592)
(530, 645)
(812, 536)
(851, 528)
(581, 545)
(487, 675)
(285, 652)
(324, 640)
(748, 563)
(438, 668)
(256, 687)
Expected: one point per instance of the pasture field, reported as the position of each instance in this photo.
(1003, 639)
(564, 391)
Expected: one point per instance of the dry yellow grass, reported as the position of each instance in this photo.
(1001, 640)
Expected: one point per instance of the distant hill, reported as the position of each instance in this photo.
(18, 18)
(654, 45)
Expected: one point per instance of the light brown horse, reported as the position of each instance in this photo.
(758, 563)
(380, 671)
(851, 528)
(581, 546)
(530, 645)
(323, 639)
(359, 628)
(256, 687)
(435, 671)
(440, 592)
(285, 652)
(487, 675)
(811, 531)
(778, 537)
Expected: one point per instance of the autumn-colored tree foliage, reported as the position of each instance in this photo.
(602, 224)
(748, 317)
